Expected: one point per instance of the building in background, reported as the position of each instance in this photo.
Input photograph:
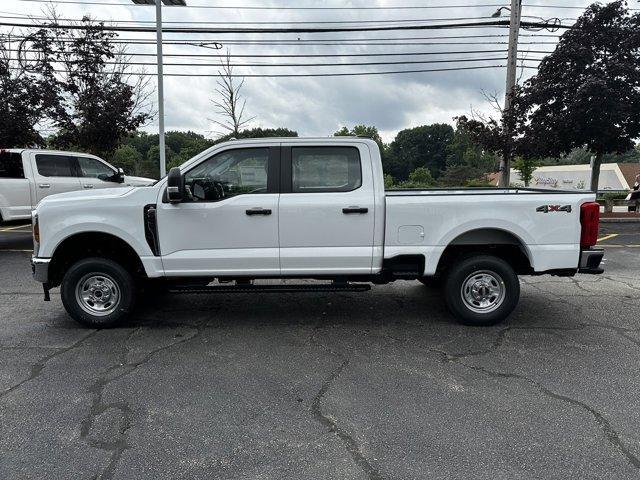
(613, 177)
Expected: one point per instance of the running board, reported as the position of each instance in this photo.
(340, 287)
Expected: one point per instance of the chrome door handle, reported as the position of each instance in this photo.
(88, 186)
(44, 185)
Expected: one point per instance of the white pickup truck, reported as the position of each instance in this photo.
(305, 209)
(28, 176)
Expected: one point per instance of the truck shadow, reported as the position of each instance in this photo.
(403, 303)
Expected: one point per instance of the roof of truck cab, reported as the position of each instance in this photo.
(298, 139)
(43, 150)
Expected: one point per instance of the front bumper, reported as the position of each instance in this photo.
(40, 269)
(590, 261)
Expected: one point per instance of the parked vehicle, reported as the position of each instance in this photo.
(28, 176)
(311, 209)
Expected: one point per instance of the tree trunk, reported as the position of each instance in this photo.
(596, 160)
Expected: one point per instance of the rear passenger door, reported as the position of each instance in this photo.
(53, 174)
(326, 220)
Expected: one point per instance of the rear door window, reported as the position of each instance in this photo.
(55, 165)
(325, 169)
(11, 165)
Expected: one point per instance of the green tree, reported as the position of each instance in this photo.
(22, 102)
(368, 131)
(388, 181)
(127, 158)
(90, 101)
(260, 133)
(424, 146)
(461, 176)
(525, 167)
(586, 93)
(420, 178)
(464, 152)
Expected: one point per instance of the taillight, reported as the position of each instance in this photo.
(590, 221)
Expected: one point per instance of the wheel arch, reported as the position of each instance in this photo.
(499, 242)
(82, 245)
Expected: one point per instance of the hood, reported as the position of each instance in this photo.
(80, 195)
(137, 181)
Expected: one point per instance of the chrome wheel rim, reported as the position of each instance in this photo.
(483, 291)
(98, 294)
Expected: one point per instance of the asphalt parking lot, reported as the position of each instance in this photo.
(376, 385)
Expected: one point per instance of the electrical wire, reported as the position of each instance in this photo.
(332, 64)
(315, 55)
(300, 75)
(251, 7)
(498, 23)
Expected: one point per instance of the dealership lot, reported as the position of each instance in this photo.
(371, 385)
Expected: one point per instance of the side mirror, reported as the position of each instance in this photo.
(175, 185)
(117, 177)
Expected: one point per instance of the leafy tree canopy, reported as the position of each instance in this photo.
(424, 146)
(587, 92)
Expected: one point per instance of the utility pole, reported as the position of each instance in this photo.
(158, 5)
(514, 30)
(163, 151)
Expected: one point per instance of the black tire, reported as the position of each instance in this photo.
(476, 280)
(104, 279)
(431, 282)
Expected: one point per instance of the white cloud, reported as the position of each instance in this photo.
(318, 106)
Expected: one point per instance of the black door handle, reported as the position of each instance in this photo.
(258, 211)
(350, 210)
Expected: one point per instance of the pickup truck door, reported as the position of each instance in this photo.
(230, 225)
(326, 210)
(95, 173)
(54, 173)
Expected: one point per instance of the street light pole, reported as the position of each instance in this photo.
(163, 153)
(158, 4)
(514, 30)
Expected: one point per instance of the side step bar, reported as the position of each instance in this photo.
(329, 287)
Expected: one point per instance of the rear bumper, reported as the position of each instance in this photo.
(40, 269)
(590, 261)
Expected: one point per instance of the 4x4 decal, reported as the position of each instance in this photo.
(554, 208)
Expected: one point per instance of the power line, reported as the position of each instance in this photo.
(301, 41)
(315, 55)
(331, 64)
(299, 75)
(293, 22)
(497, 23)
(251, 7)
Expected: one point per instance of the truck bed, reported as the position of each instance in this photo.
(546, 223)
(476, 191)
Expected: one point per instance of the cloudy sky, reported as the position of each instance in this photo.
(321, 105)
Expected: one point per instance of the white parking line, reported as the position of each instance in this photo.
(16, 227)
(608, 237)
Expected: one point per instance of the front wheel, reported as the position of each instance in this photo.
(481, 290)
(98, 292)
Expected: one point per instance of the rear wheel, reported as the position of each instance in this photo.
(98, 292)
(481, 290)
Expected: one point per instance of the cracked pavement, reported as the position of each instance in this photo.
(376, 385)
